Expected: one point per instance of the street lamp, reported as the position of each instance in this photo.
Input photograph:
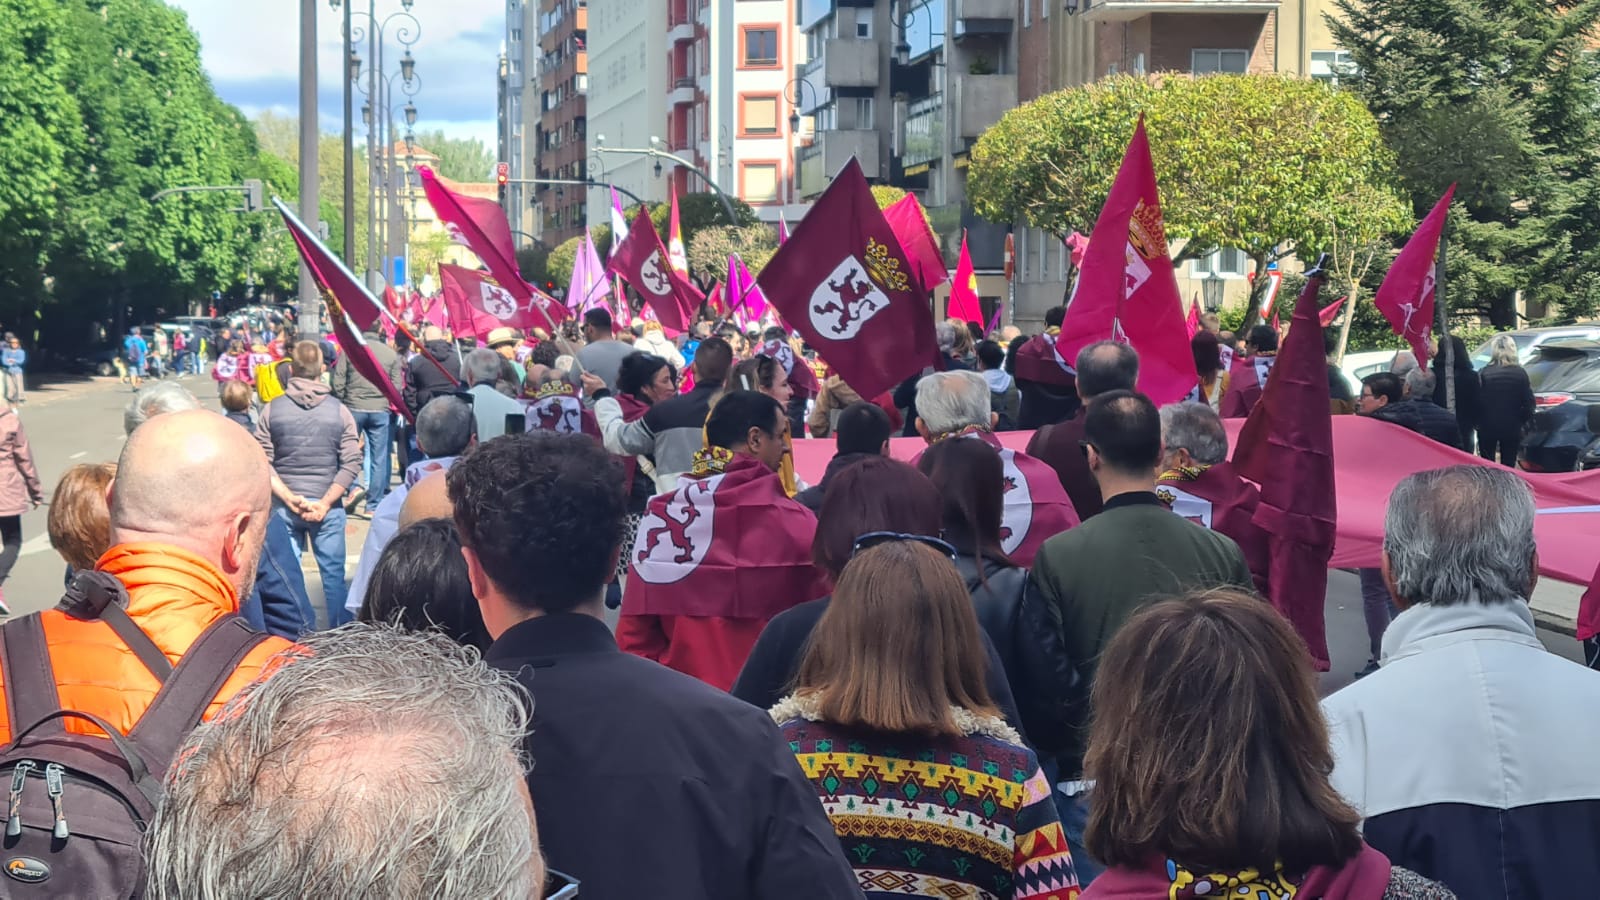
(411, 115)
(658, 155)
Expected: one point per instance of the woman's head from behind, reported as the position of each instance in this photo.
(874, 494)
(970, 479)
(1503, 351)
(421, 583)
(1207, 353)
(898, 646)
(1208, 745)
(79, 523)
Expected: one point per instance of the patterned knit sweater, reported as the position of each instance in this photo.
(952, 818)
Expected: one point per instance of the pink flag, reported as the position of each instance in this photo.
(482, 227)
(1286, 446)
(910, 226)
(783, 228)
(1077, 246)
(675, 250)
(1193, 322)
(1126, 290)
(964, 289)
(587, 289)
(741, 291)
(1406, 296)
(478, 304)
(1330, 312)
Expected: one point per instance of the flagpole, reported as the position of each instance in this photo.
(1441, 300)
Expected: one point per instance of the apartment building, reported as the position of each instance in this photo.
(561, 86)
(1063, 43)
(518, 119)
(627, 69)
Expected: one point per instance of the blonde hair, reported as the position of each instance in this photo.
(1503, 351)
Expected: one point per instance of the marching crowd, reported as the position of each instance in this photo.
(981, 673)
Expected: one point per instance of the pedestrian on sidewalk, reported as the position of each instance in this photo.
(136, 353)
(13, 358)
(19, 491)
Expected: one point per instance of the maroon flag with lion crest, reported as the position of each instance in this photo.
(556, 407)
(843, 281)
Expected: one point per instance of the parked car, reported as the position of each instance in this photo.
(1529, 339)
(1357, 366)
(99, 361)
(1565, 432)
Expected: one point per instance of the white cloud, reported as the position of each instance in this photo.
(252, 52)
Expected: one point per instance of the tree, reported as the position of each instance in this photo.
(1501, 99)
(711, 247)
(1265, 164)
(460, 159)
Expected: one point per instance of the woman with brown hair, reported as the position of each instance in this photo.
(930, 791)
(1210, 760)
(1208, 366)
(875, 496)
(79, 523)
(765, 375)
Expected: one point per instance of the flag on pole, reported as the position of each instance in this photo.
(642, 262)
(675, 251)
(481, 225)
(1077, 247)
(1274, 284)
(619, 233)
(1406, 296)
(479, 304)
(348, 302)
(1330, 312)
(741, 290)
(910, 226)
(1286, 446)
(963, 303)
(1126, 290)
(844, 282)
(1193, 323)
(783, 228)
(587, 288)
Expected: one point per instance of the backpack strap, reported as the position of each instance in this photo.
(182, 701)
(99, 595)
(30, 681)
(138, 641)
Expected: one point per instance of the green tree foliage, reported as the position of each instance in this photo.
(1265, 164)
(460, 159)
(709, 251)
(1500, 98)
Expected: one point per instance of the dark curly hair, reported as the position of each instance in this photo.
(544, 353)
(638, 370)
(544, 513)
(420, 584)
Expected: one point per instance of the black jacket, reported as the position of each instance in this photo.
(1045, 404)
(769, 672)
(905, 396)
(811, 498)
(649, 783)
(1469, 400)
(1423, 417)
(424, 381)
(1507, 400)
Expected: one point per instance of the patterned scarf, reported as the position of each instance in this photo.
(965, 432)
(710, 461)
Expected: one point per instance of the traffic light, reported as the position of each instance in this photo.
(253, 201)
(501, 170)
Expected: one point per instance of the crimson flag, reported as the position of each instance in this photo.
(342, 292)
(1330, 312)
(909, 223)
(481, 226)
(478, 304)
(1286, 446)
(964, 289)
(642, 261)
(844, 283)
(1193, 322)
(799, 375)
(1217, 498)
(1406, 296)
(1040, 360)
(1126, 290)
(557, 408)
(1036, 506)
(1077, 247)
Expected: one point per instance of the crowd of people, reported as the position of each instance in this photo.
(983, 672)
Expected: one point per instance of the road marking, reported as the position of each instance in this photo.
(79, 455)
(38, 545)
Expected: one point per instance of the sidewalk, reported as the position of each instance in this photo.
(1555, 605)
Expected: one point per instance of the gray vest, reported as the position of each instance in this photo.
(305, 444)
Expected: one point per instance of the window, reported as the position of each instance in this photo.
(758, 115)
(860, 109)
(1223, 263)
(863, 23)
(761, 47)
(1329, 66)
(1204, 62)
(758, 182)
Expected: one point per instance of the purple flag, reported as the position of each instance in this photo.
(741, 291)
(588, 287)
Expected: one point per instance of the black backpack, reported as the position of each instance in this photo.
(78, 805)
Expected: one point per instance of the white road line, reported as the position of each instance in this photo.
(79, 455)
(38, 545)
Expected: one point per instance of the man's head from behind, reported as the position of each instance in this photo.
(1054, 316)
(482, 367)
(863, 428)
(597, 325)
(326, 780)
(749, 423)
(1262, 339)
(948, 402)
(157, 400)
(174, 458)
(1460, 535)
(306, 360)
(1122, 434)
(541, 521)
(1192, 435)
(712, 361)
(446, 427)
(1106, 366)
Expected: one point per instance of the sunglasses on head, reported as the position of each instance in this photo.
(874, 538)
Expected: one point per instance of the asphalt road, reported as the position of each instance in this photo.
(74, 421)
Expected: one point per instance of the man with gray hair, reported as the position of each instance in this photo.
(157, 399)
(324, 779)
(956, 405)
(1198, 483)
(1470, 753)
(1102, 367)
(446, 427)
(489, 406)
(1433, 420)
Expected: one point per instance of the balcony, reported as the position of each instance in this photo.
(993, 10)
(1128, 10)
(828, 153)
(981, 100)
(850, 63)
(682, 32)
(682, 91)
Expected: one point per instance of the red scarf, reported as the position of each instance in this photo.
(1364, 878)
(633, 409)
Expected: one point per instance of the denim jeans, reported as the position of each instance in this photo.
(327, 543)
(279, 604)
(1377, 606)
(374, 428)
(1074, 816)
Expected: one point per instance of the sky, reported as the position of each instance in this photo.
(251, 51)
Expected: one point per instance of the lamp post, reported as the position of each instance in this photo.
(378, 90)
(310, 297)
(658, 154)
(798, 86)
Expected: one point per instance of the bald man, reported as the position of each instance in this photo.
(189, 508)
(427, 499)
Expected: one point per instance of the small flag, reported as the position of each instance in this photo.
(1406, 296)
(1011, 256)
(963, 303)
(675, 251)
(917, 241)
(1077, 247)
(1330, 312)
(1193, 322)
(783, 228)
(587, 289)
(742, 293)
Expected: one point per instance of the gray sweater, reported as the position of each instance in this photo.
(355, 391)
(310, 439)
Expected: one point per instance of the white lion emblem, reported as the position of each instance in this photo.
(653, 276)
(498, 302)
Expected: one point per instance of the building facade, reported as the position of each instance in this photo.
(518, 119)
(560, 86)
(627, 69)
